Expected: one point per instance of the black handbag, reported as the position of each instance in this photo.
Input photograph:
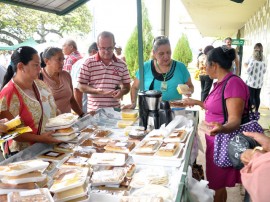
(237, 145)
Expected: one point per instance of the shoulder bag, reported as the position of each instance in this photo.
(222, 140)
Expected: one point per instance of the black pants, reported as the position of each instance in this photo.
(255, 97)
(206, 84)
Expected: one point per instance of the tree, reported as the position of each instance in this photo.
(131, 50)
(182, 51)
(18, 23)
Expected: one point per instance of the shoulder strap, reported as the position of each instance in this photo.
(224, 108)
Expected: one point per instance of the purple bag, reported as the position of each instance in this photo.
(221, 155)
(249, 124)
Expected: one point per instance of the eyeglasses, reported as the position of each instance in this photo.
(109, 49)
(159, 38)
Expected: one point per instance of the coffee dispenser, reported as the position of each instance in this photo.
(150, 114)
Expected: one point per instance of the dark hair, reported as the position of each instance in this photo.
(24, 54)
(50, 52)
(42, 63)
(160, 40)
(207, 49)
(221, 55)
(92, 47)
(258, 45)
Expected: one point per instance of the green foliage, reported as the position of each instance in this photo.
(19, 23)
(131, 49)
(182, 51)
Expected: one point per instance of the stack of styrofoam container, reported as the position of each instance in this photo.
(21, 175)
(70, 183)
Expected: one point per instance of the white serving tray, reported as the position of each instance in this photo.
(32, 192)
(66, 138)
(23, 180)
(107, 159)
(155, 160)
(24, 167)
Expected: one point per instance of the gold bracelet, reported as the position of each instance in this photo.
(257, 148)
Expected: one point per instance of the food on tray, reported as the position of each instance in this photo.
(177, 135)
(35, 195)
(155, 191)
(101, 133)
(121, 147)
(124, 123)
(137, 132)
(87, 142)
(148, 146)
(29, 185)
(77, 161)
(34, 176)
(155, 134)
(183, 89)
(129, 114)
(168, 149)
(62, 120)
(102, 142)
(84, 151)
(90, 129)
(66, 138)
(64, 147)
(22, 167)
(151, 175)
(109, 192)
(112, 159)
(114, 176)
(65, 130)
(71, 193)
(68, 177)
(141, 199)
(52, 156)
(177, 103)
(13, 123)
(130, 169)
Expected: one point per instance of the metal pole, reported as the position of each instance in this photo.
(140, 43)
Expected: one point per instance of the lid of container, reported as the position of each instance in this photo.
(153, 93)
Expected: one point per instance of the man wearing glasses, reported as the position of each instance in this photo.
(104, 77)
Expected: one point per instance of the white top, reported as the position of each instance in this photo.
(256, 70)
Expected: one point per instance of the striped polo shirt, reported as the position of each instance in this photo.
(70, 60)
(96, 74)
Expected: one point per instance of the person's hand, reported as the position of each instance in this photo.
(48, 138)
(246, 156)
(117, 94)
(189, 102)
(187, 94)
(130, 106)
(262, 139)
(216, 128)
(3, 127)
(205, 127)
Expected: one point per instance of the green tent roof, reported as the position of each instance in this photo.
(29, 42)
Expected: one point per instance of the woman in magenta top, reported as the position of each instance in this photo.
(236, 94)
(59, 81)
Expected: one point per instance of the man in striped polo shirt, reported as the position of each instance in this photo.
(104, 77)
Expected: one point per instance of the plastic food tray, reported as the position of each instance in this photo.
(22, 167)
(155, 160)
(66, 138)
(70, 181)
(32, 193)
(107, 159)
(23, 180)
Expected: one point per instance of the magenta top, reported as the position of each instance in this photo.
(235, 88)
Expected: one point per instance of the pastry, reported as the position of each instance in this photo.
(13, 123)
(102, 142)
(167, 149)
(64, 147)
(65, 130)
(130, 168)
(121, 147)
(149, 146)
(129, 114)
(52, 156)
(124, 123)
(183, 89)
(176, 136)
(101, 133)
(35, 195)
(87, 142)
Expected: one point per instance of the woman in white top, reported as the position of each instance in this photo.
(256, 68)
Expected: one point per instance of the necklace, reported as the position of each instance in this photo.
(163, 85)
(163, 74)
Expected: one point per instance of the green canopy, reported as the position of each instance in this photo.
(29, 42)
